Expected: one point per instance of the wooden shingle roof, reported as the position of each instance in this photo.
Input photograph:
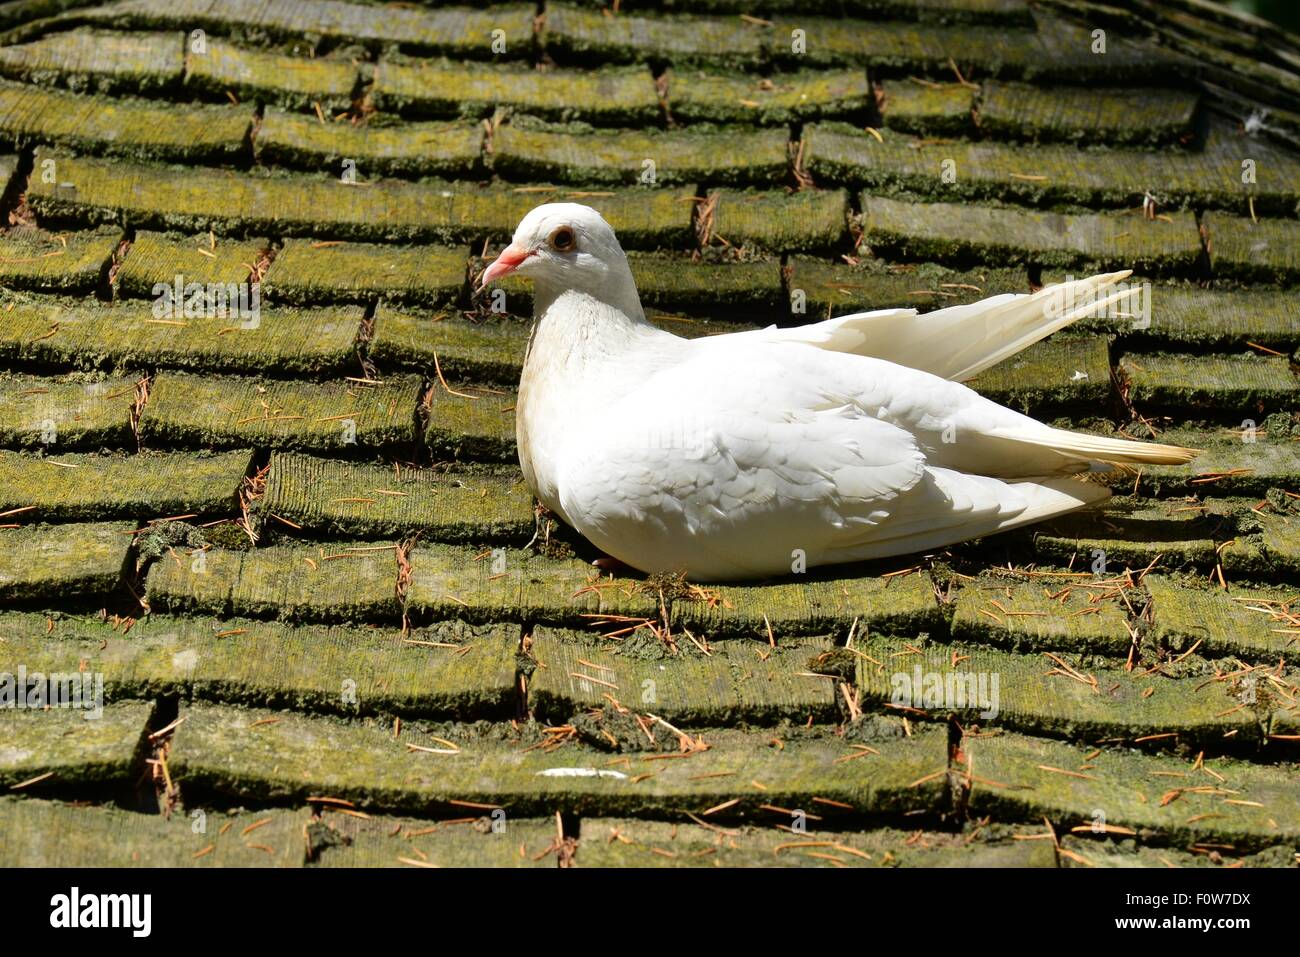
(294, 542)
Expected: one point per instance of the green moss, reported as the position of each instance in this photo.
(99, 61)
(1229, 464)
(1263, 251)
(464, 31)
(312, 272)
(1044, 175)
(65, 413)
(1188, 317)
(409, 149)
(898, 46)
(616, 157)
(708, 97)
(1006, 12)
(925, 107)
(81, 563)
(445, 672)
(49, 332)
(740, 681)
(160, 257)
(346, 417)
(164, 537)
(605, 95)
(1063, 53)
(77, 748)
(1031, 693)
(583, 34)
(1132, 534)
(1029, 621)
(327, 497)
(71, 487)
(218, 749)
(481, 351)
(293, 82)
(813, 605)
(950, 232)
(348, 583)
(37, 833)
(644, 218)
(1245, 383)
(1086, 115)
(1249, 624)
(1254, 806)
(806, 221)
(229, 534)
(834, 661)
(1100, 851)
(1055, 374)
(475, 424)
(70, 264)
(514, 585)
(616, 842)
(487, 841)
(298, 204)
(836, 288)
(704, 288)
(138, 129)
(693, 327)
(1269, 551)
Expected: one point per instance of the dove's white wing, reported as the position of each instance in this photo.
(734, 459)
(958, 342)
(955, 426)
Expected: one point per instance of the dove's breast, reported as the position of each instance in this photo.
(583, 355)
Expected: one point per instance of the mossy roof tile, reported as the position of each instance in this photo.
(623, 96)
(135, 128)
(217, 750)
(66, 412)
(101, 61)
(77, 487)
(952, 232)
(71, 746)
(294, 82)
(65, 263)
(343, 458)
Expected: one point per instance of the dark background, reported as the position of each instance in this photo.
(1283, 12)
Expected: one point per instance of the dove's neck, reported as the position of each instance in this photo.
(584, 353)
(611, 285)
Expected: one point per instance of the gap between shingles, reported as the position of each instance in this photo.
(106, 289)
(13, 202)
(365, 334)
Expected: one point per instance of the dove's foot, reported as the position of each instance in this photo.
(612, 566)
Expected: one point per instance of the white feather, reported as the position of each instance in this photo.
(959, 342)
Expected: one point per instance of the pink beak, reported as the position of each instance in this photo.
(511, 258)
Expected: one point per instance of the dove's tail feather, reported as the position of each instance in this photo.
(959, 342)
(1100, 448)
(977, 336)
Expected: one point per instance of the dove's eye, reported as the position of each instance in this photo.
(563, 240)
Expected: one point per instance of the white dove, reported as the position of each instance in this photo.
(752, 454)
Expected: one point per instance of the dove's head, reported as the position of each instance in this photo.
(568, 246)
